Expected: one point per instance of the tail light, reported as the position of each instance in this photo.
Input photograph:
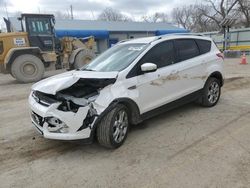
(220, 55)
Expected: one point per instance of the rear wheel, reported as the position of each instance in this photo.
(83, 58)
(27, 68)
(211, 92)
(113, 129)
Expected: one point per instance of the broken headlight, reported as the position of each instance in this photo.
(70, 103)
(68, 106)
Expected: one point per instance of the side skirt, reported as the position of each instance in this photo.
(169, 106)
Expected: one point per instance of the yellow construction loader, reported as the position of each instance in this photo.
(27, 54)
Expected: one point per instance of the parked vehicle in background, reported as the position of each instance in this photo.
(130, 82)
(27, 54)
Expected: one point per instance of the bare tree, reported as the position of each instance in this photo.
(244, 9)
(209, 15)
(219, 10)
(190, 17)
(156, 17)
(181, 16)
(109, 14)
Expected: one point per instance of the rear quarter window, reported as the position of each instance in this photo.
(204, 45)
(186, 48)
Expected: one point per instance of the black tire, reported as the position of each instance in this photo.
(109, 127)
(27, 68)
(83, 58)
(210, 96)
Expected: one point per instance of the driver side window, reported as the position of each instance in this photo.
(162, 54)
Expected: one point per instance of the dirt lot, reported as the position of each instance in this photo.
(188, 147)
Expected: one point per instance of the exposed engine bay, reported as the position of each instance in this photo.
(80, 94)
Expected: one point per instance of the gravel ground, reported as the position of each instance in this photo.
(187, 147)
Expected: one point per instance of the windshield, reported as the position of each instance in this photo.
(116, 58)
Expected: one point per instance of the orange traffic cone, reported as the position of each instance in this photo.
(243, 59)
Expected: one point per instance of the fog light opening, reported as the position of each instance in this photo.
(56, 125)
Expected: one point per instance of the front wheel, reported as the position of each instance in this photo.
(113, 129)
(211, 92)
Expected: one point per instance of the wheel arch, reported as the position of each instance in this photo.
(218, 76)
(15, 52)
(134, 112)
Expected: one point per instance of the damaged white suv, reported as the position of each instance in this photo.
(125, 85)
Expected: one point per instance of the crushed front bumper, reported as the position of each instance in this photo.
(68, 126)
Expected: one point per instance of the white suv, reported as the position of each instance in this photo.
(125, 85)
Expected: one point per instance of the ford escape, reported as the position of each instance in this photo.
(132, 81)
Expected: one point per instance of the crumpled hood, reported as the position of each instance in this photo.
(62, 81)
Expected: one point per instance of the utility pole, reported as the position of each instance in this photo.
(226, 28)
(226, 23)
(71, 12)
(6, 10)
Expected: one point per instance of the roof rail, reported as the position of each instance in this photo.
(122, 41)
(191, 34)
(158, 37)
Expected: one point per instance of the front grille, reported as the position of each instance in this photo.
(39, 120)
(43, 99)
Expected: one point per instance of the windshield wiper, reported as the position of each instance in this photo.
(86, 69)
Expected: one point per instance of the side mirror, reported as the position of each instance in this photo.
(148, 67)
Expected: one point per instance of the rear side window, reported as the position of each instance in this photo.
(1, 47)
(186, 48)
(161, 54)
(204, 45)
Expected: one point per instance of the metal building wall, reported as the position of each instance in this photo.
(237, 37)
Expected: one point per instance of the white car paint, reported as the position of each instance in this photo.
(150, 90)
(59, 82)
(73, 121)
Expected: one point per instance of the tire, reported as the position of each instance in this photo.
(12, 75)
(211, 92)
(111, 132)
(83, 58)
(27, 68)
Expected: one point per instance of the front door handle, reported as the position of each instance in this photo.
(132, 87)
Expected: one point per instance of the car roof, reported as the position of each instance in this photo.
(147, 40)
(144, 40)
